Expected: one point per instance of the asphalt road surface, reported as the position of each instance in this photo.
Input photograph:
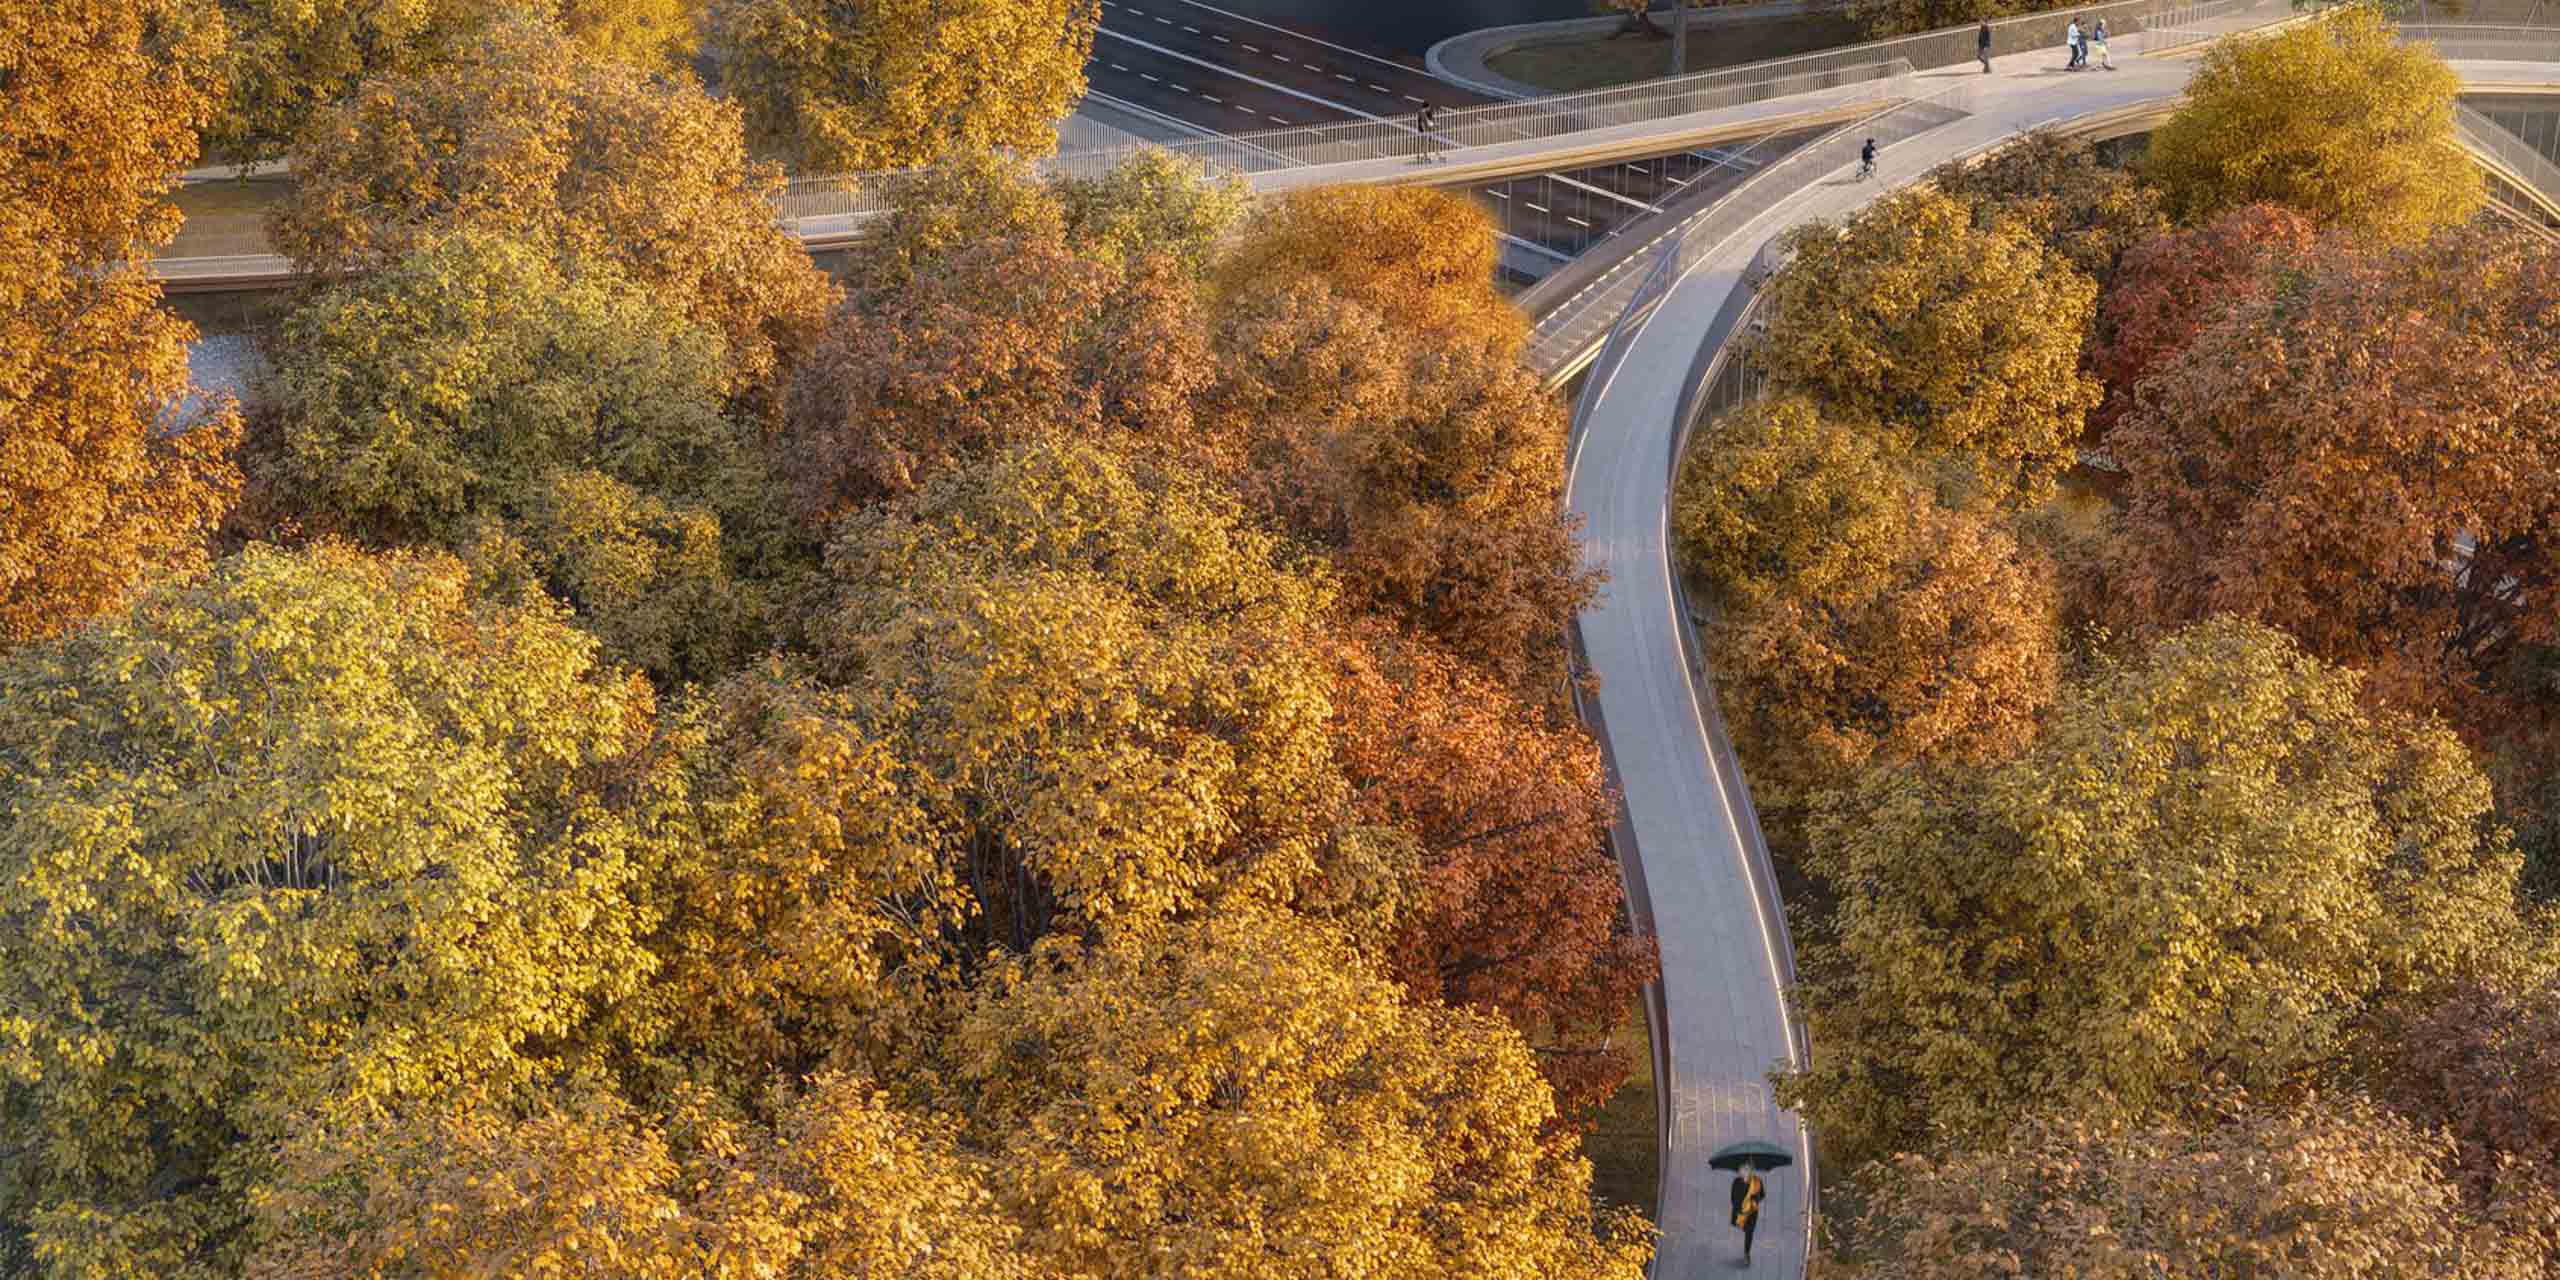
(1213, 67)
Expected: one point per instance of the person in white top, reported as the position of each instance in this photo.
(2071, 46)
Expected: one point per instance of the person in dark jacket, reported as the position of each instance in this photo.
(1867, 160)
(1982, 45)
(1424, 121)
(1748, 1192)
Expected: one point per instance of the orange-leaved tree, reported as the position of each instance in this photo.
(1950, 657)
(2361, 456)
(1433, 473)
(1422, 258)
(106, 474)
(1516, 905)
(2176, 283)
(1001, 342)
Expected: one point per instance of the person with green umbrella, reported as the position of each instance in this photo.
(1746, 1159)
(1748, 1191)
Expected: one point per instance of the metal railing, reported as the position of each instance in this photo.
(2463, 42)
(1350, 141)
(2510, 157)
(1567, 337)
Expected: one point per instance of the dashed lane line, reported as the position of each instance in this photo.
(1230, 71)
(1286, 31)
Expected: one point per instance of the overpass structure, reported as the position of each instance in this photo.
(1648, 327)
(1699, 868)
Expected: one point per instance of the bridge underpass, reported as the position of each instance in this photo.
(1549, 219)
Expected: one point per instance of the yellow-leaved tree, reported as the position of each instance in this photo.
(312, 835)
(289, 59)
(2212, 860)
(1955, 341)
(1244, 1098)
(1100, 674)
(830, 1181)
(105, 476)
(527, 136)
(453, 399)
(841, 88)
(2334, 117)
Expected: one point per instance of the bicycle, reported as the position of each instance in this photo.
(1866, 169)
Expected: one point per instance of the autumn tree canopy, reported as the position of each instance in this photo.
(846, 88)
(1958, 342)
(2054, 185)
(1433, 475)
(286, 60)
(104, 478)
(335, 837)
(1950, 657)
(1516, 906)
(1001, 342)
(2176, 283)
(524, 136)
(1776, 503)
(1243, 1097)
(451, 399)
(837, 1182)
(1099, 669)
(2360, 455)
(1422, 258)
(2330, 1187)
(2334, 117)
(2210, 862)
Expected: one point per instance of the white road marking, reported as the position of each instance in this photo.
(1230, 71)
(1579, 223)
(1539, 207)
(1272, 118)
(1219, 38)
(1209, 98)
(1251, 49)
(1193, 30)
(1117, 67)
(1151, 79)
(1410, 98)
(1343, 78)
(1177, 88)
(1166, 21)
(1379, 87)
(1287, 31)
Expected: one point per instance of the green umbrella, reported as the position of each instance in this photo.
(1754, 1153)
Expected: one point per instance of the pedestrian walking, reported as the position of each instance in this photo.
(1748, 1192)
(2071, 46)
(2098, 40)
(1982, 45)
(1424, 121)
(1867, 160)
